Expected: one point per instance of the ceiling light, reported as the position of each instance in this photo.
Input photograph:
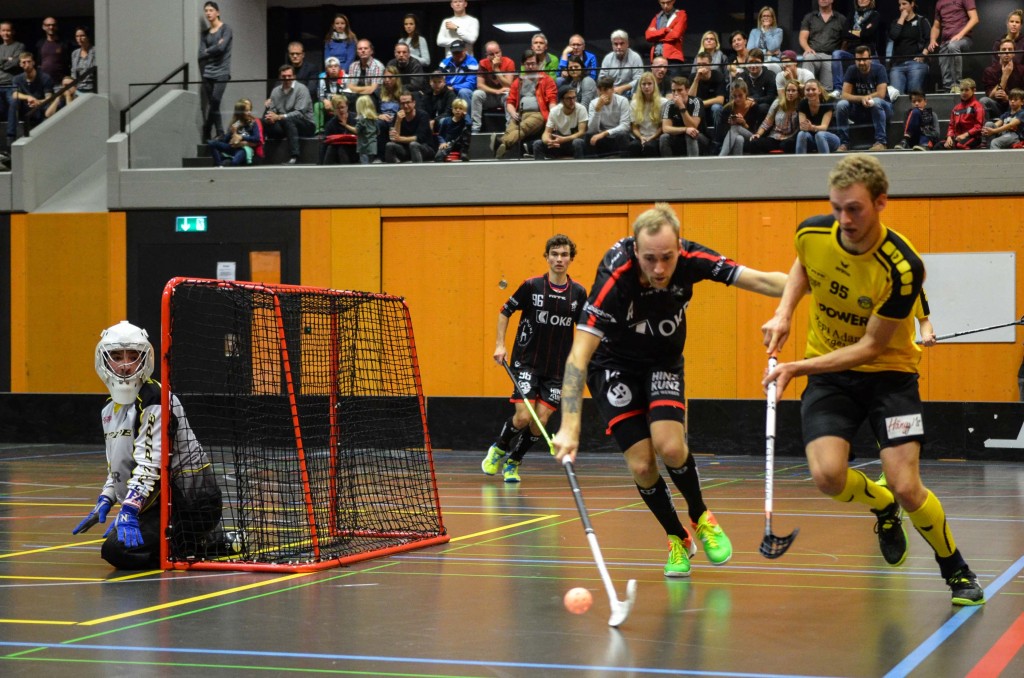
(517, 27)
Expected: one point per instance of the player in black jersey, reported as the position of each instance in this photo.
(632, 332)
(550, 304)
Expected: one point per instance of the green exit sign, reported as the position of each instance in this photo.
(189, 224)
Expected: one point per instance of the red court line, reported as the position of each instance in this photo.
(999, 656)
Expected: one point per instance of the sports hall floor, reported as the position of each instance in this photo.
(489, 602)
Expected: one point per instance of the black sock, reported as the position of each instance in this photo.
(687, 480)
(523, 445)
(659, 501)
(949, 565)
(508, 432)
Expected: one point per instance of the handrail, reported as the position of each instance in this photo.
(153, 88)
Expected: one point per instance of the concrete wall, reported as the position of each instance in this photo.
(165, 132)
(6, 191)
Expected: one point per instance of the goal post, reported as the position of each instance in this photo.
(303, 415)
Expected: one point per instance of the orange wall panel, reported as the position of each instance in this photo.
(341, 249)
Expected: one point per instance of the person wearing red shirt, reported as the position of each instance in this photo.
(966, 120)
(493, 82)
(666, 34)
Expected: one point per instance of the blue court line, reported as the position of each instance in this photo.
(915, 658)
(399, 660)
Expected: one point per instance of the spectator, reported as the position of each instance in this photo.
(761, 85)
(566, 122)
(365, 74)
(740, 116)
(388, 106)
(821, 33)
(411, 138)
(1014, 33)
(578, 46)
(367, 131)
(305, 72)
(708, 85)
(409, 70)
(1009, 128)
(548, 61)
(289, 112)
(461, 68)
(339, 146)
(460, 26)
(666, 35)
(31, 88)
(242, 143)
(52, 52)
(586, 88)
(660, 69)
(437, 102)
(608, 123)
(999, 78)
(909, 34)
(330, 83)
(951, 36)
(815, 118)
(791, 71)
(861, 29)
(530, 99)
(645, 111)
(966, 120)
(766, 36)
(493, 81)
(340, 41)
(921, 128)
(418, 47)
(865, 97)
(65, 99)
(83, 58)
(682, 123)
(622, 64)
(10, 66)
(778, 130)
(738, 42)
(215, 66)
(453, 135)
(709, 45)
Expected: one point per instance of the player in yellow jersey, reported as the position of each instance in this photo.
(861, 362)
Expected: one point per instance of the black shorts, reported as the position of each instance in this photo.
(629, 401)
(836, 404)
(545, 390)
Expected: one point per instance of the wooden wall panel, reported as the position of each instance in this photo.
(341, 249)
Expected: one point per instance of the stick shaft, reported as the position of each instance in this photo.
(980, 329)
(769, 456)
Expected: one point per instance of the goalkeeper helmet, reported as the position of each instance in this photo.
(124, 361)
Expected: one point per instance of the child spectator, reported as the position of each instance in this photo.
(366, 130)
(921, 129)
(453, 135)
(1008, 130)
(966, 120)
(242, 143)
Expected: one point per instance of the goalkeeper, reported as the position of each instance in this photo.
(132, 433)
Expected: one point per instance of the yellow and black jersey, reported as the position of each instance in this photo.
(847, 289)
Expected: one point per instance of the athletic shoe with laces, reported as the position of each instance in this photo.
(965, 588)
(903, 145)
(892, 537)
(678, 564)
(492, 462)
(511, 471)
(717, 546)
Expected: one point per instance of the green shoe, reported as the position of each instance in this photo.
(892, 536)
(716, 545)
(511, 471)
(965, 588)
(678, 564)
(492, 462)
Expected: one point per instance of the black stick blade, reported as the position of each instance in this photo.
(773, 546)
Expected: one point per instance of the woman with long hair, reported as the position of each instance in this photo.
(418, 47)
(740, 116)
(815, 111)
(82, 59)
(766, 35)
(709, 43)
(242, 144)
(910, 34)
(778, 131)
(340, 41)
(646, 108)
(215, 65)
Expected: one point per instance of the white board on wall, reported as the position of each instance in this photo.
(971, 290)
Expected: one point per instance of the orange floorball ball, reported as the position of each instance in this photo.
(578, 600)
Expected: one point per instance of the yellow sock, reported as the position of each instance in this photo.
(930, 522)
(863, 490)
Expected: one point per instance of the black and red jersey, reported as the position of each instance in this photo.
(643, 326)
(544, 335)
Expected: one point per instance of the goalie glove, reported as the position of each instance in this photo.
(97, 515)
(127, 522)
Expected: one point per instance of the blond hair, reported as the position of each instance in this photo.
(644, 107)
(860, 168)
(459, 104)
(365, 107)
(651, 221)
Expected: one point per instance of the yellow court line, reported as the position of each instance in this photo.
(38, 503)
(51, 548)
(135, 575)
(503, 528)
(37, 621)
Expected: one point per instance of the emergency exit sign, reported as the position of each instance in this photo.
(189, 224)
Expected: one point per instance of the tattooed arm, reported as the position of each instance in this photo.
(566, 441)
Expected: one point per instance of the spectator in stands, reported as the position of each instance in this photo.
(608, 123)
(578, 46)
(340, 41)
(951, 36)
(709, 45)
(548, 61)
(365, 74)
(493, 81)
(367, 132)
(861, 28)
(779, 128)
(921, 128)
(69, 95)
(791, 71)
(666, 36)
(215, 67)
(305, 72)
(761, 84)
(83, 58)
(645, 111)
(1015, 33)
(418, 47)
(709, 85)
(738, 42)
(411, 137)
(766, 36)
(999, 78)
(1008, 130)
(289, 112)
(52, 51)
(821, 33)
(453, 135)
(460, 26)
(340, 134)
(622, 64)
(437, 101)
(966, 120)
(682, 123)
(910, 35)
(585, 86)
(388, 105)
(740, 116)
(10, 66)
(566, 123)
(330, 83)
(31, 88)
(242, 143)
(660, 69)
(865, 97)
(532, 95)
(815, 118)
(461, 68)
(409, 70)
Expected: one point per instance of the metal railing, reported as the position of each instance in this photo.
(134, 102)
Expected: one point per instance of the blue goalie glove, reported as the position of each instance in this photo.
(127, 522)
(97, 515)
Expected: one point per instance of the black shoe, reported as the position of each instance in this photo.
(964, 585)
(902, 146)
(892, 538)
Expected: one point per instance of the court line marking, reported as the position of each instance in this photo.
(52, 548)
(1000, 654)
(502, 528)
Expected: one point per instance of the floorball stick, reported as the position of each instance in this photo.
(620, 608)
(772, 546)
(980, 329)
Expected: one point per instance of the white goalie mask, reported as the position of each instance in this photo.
(124, 361)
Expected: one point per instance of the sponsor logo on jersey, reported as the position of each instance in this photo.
(664, 383)
(841, 269)
(609, 375)
(121, 433)
(865, 302)
(590, 309)
(525, 332)
(619, 395)
(524, 387)
(574, 307)
(845, 316)
(526, 374)
(642, 327)
(718, 267)
(107, 419)
(546, 318)
(905, 425)
(556, 395)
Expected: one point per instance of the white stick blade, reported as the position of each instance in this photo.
(622, 608)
